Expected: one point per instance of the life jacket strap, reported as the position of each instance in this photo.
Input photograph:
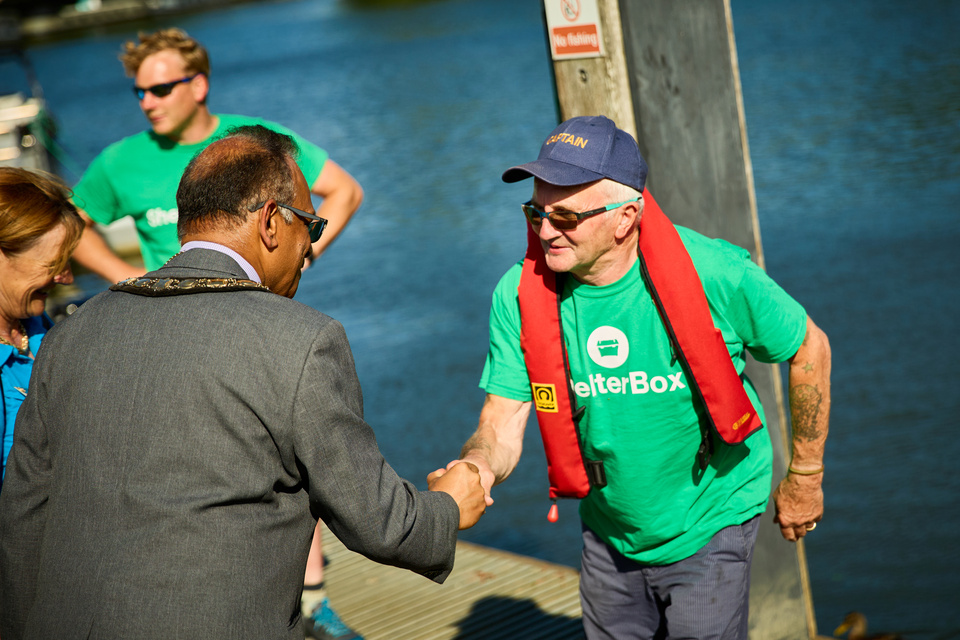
(677, 291)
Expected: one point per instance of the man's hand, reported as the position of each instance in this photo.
(798, 502)
(487, 477)
(462, 482)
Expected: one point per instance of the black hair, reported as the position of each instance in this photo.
(242, 169)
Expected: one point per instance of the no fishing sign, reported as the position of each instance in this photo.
(574, 29)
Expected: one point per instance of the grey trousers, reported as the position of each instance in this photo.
(704, 597)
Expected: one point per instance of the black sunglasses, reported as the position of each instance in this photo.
(160, 90)
(315, 224)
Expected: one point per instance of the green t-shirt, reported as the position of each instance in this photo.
(139, 175)
(641, 420)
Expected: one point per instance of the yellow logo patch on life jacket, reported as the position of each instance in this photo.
(545, 397)
(738, 423)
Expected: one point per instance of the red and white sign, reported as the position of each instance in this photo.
(574, 29)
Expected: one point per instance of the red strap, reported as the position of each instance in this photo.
(544, 351)
(678, 294)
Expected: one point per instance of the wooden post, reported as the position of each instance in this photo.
(599, 85)
(677, 89)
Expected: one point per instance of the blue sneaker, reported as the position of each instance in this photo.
(325, 624)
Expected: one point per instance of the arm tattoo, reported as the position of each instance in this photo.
(805, 401)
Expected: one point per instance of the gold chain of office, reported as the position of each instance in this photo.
(180, 286)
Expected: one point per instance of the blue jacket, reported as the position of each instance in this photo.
(15, 376)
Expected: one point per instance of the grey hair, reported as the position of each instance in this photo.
(618, 192)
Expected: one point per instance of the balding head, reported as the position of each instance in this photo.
(249, 165)
(240, 192)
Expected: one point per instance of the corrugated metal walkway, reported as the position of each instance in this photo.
(490, 595)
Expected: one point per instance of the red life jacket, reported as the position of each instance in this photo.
(678, 294)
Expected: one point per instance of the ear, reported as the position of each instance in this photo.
(629, 219)
(268, 219)
(200, 86)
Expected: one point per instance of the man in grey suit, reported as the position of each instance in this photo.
(185, 430)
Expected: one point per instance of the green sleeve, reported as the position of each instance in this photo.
(770, 322)
(504, 372)
(94, 193)
(748, 306)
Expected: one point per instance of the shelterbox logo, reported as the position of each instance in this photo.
(608, 347)
(158, 217)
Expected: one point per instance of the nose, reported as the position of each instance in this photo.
(149, 101)
(65, 276)
(547, 231)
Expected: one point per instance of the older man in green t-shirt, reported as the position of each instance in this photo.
(139, 175)
(670, 512)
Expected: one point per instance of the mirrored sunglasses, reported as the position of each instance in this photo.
(565, 220)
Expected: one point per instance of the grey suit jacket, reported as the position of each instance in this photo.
(172, 459)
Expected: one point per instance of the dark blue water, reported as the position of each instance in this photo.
(853, 111)
(854, 126)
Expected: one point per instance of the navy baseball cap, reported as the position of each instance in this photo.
(582, 150)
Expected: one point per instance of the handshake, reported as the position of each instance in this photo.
(464, 482)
